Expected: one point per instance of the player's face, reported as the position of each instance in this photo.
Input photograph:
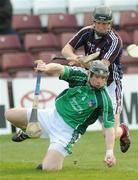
(102, 27)
(97, 81)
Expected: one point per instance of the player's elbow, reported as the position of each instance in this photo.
(66, 50)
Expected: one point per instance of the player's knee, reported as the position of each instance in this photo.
(53, 161)
(8, 115)
(51, 166)
(11, 115)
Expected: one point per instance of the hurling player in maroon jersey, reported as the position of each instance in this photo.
(101, 37)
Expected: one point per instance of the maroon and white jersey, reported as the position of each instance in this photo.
(109, 45)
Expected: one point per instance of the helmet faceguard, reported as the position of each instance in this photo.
(102, 14)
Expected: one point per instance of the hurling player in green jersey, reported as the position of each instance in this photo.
(75, 109)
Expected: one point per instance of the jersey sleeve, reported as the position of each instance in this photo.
(80, 37)
(113, 48)
(75, 76)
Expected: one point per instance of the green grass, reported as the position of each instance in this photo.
(18, 160)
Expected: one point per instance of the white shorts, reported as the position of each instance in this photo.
(54, 127)
(115, 93)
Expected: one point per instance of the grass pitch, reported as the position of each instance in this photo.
(19, 160)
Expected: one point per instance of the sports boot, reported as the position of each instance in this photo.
(39, 167)
(20, 136)
(125, 138)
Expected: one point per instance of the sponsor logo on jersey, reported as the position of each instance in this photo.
(92, 103)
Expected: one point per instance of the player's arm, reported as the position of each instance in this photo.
(69, 52)
(108, 122)
(112, 51)
(51, 68)
(110, 159)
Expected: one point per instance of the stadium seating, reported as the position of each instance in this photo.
(48, 57)
(62, 18)
(9, 43)
(45, 7)
(21, 6)
(65, 37)
(26, 23)
(14, 62)
(126, 38)
(4, 75)
(128, 62)
(40, 42)
(88, 19)
(62, 22)
(132, 70)
(135, 37)
(129, 20)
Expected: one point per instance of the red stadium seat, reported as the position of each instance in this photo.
(132, 70)
(128, 61)
(4, 75)
(48, 57)
(26, 23)
(40, 42)
(62, 22)
(129, 20)
(9, 43)
(65, 37)
(88, 19)
(14, 62)
(126, 38)
(135, 37)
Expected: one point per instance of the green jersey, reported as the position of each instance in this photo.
(80, 105)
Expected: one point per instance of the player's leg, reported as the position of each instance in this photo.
(60, 135)
(18, 117)
(54, 158)
(121, 130)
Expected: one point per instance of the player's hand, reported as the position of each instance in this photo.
(74, 61)
(78, 61)
(110, 160)
(40, 65)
